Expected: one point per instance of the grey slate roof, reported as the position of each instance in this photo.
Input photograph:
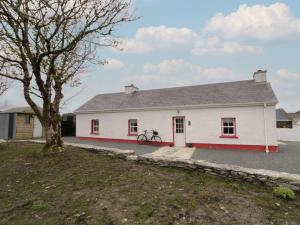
(294, 115)
(239, 92)
(282, 115)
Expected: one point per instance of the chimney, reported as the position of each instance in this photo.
(260, 76)
(130, 89)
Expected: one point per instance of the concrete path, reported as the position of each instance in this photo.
(173, 152)
(286, 160)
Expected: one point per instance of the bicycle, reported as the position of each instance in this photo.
(154, 139)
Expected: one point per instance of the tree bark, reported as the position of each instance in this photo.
(54, 142)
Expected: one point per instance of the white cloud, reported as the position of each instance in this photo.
(284, 74)
(213, 46)
(258, 21)
(178, 72)
(147, 39)
(84, 74)
(169, 67)
(163, 36)
(217, 73)
(286, 86)
(134, 46)
(114, 64)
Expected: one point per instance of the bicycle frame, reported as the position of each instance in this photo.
(148, 133)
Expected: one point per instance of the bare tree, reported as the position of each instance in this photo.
(3, 85)
(45, 44)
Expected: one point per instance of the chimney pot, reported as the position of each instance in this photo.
(260, 76)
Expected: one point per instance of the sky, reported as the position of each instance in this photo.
(176, 43)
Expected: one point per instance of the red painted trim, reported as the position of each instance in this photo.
(119, 140)
(129, 132)
(173, 126)
(229, 137)
(222, 130)
(261, 148)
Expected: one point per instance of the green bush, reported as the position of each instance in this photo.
(284, 192)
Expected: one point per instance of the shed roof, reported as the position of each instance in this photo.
(282, 115)
(23, 109)
(239, 92)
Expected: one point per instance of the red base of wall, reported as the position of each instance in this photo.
(260, 148)
(121, 140)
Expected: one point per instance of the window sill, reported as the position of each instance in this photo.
(132, 135)
(92, 133)
(233, 137)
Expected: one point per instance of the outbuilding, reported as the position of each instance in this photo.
(19, 123)
(231, 115)
(288, 125)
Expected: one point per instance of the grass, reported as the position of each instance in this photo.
(79, 187)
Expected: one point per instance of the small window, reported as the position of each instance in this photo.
(228, 127)
(95, 127)
(284, 124)
(179, 122)
(27, 119)
(132, 127)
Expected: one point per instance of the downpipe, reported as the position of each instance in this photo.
(265, 128)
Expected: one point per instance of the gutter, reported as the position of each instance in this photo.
(204, 106)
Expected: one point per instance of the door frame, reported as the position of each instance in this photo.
(173, 126)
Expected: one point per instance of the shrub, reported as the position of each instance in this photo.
(284, 192)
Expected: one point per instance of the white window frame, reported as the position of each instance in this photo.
(95, 126)
(229, 120)
(133, 127)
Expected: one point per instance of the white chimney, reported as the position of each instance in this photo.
(260, 76)
(130, 89)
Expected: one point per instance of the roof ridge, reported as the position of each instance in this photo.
(186, 86)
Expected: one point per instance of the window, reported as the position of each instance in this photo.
(284, 124)
(132, 127)
(95, 127)
(179, 122)
(27, 119)
(228, 127)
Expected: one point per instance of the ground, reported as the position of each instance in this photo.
(80, 187)
(286, 160)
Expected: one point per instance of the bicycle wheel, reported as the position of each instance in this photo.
(142, 139)
(156, 140)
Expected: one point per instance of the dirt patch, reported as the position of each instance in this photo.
(79, 187)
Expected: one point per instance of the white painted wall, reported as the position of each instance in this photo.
(289, 134)
(205, 124)
(38, 129)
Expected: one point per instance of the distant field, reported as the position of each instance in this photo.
(79, 187)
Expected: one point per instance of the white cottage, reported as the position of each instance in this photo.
(231, 115)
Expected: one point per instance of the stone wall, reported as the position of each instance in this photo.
(256, 176)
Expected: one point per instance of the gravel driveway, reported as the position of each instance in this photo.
(286, 160)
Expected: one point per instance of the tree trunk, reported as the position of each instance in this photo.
(54, 142)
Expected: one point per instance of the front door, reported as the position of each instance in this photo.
(179, 131)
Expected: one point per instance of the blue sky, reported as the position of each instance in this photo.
(177, 43)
